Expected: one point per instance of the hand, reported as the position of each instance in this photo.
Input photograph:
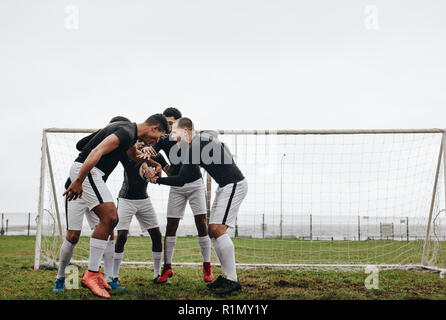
(148, 173)
(158, 170)
(74, 191)
(153, 179)
(168, 170)
(142, 155)
(149, 151)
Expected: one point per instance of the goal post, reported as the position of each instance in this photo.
(322, 205)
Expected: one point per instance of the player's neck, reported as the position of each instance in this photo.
(142, 129)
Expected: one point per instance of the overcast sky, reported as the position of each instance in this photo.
(226, 64)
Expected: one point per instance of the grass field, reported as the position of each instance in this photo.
(19, 281)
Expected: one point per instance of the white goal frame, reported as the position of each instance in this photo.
(46, 164)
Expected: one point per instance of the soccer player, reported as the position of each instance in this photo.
(216, 159)
(194, 192)
(75, 211)
(134, 201)
(99, 158)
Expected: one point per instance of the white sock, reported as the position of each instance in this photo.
(97, 248)
(108, 260)
(117, 258)
(225, 251)
(168, 249)
(66, 252)
(205, 245)
(156, 263)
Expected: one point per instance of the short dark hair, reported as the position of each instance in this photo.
(159, 120)
(185, 123)
(172, 112)
(119, 118)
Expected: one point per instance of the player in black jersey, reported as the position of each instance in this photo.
(74, 213)
(194, 192)
(212, 155)
(134, 201)
(97, 159)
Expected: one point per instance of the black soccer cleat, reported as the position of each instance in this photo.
(216, 284)
(228, 286)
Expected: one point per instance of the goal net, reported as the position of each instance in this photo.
(345, 198)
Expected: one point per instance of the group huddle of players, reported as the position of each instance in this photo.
(137, 147)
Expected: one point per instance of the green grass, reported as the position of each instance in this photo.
(19, 281)
(286, 251)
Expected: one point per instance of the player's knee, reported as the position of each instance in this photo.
(200, 223)
(212, 230)
(216, 230)
(171, 228)
(120, 242)
(115, 221)
(73, 238)
(111, 221)
(155, 233)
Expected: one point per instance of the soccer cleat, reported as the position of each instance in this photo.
(207, 272)
(227, 286)
(94, 282)
(115, 284)
(216, 284)
(59, 285)
(155, 280)
(104, 283)
(166, 274)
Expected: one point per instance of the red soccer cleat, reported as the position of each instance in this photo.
(104, 283)
(92, 281)
(165, 274)
(207, 272)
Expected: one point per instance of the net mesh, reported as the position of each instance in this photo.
(314, 199)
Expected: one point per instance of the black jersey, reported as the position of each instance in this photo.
(172, 147)
(127, 134)
(83, 142)
(133, 186)
(213, 156)
(79, 146)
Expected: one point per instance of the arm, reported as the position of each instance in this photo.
(108, 145)
(185, 173)
(161, 160)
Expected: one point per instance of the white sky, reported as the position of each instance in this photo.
(226, 64)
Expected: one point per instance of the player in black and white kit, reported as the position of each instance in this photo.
(194, 192)
(74, 213)
(134, 201)
(213, 155)
(97, 159)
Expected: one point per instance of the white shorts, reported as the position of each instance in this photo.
(95, 190)
(142, 209)
(194, 192)
(227, 203)
(74, 213)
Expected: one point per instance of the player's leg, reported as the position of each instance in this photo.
(223, 214)
(157, 251)
(126, 210)
(108, 259)
(197, 202)
(74, 213)
(121, 239)
(169, 246)
(176, 207)
(65, 255)
(148, 220)
(98, 199)
(93, 221)
(108, 218)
